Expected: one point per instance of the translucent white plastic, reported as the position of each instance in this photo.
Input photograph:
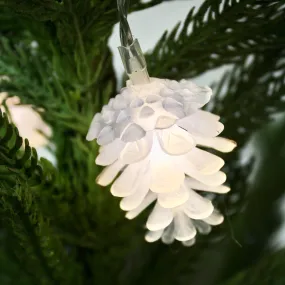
(150, 136)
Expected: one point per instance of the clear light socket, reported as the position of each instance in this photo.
(134, 63)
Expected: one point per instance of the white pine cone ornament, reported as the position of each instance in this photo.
(150, 136)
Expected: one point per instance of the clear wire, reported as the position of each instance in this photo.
(125, 30)
(130, 50)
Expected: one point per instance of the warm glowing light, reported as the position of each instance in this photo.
(150, 136)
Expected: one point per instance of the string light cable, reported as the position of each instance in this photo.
(130, 50)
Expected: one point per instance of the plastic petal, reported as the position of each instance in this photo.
(159, 218)
(168, 234)
(197, 94)
(151, 99)
(151, 197)
(215, 179)
(136, 103)
(134, 200)
(164, 122)
(214, 219)
(119, 103)
(123, 121)
(166, 177)
(137, 150)
(170, 103)
(95, 127)
(109, 173)
(146, 112)
(202, 227)
(183, 227)
(218, 143)
(173, 199)
(205, 162)
(197, 207)
(203, 127)
(122, 116)
(174, 107)
(205, 115)
(132, 133)
(110, 152)
(166, 92)
(106, 136)
(190, 108)
(175, 141)
(128, 181)
(152, 236)
(177, 97)
(189, 242)
(195, 184)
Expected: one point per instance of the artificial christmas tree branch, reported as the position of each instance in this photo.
(22, 180)
(18, 166)
(244, 84)
(221, 32)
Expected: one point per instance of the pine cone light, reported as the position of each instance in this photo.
(150, 136)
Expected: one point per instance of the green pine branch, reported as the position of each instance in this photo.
(17, 166)
(222, 32)
(255, 92)
(30, 76)
(46, 10)
(29, 234)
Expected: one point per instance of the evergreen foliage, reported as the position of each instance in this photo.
(56, 225)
